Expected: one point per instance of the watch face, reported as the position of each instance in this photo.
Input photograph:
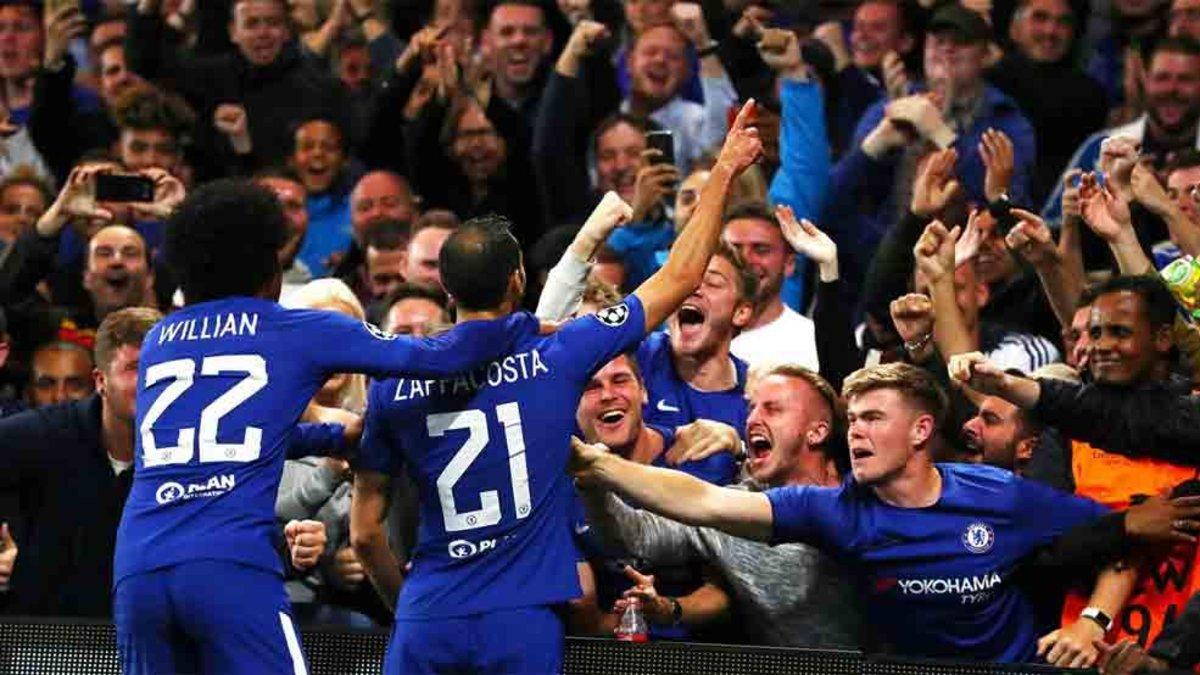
(1098, 616)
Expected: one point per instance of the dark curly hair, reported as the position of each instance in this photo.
(222, 240)
(146, 107)
(1157, 302)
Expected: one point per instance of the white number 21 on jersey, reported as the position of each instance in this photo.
(476, 423)
(182, 373)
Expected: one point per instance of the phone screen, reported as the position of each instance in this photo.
(118, 188)
(664, 142)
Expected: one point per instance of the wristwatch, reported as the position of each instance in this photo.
(1096, 614)
(918, 344)
(676, 611)
(708, 49)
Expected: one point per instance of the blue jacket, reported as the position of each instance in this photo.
(860, 187)
(803, 176)
(639, 245)
(1086, 157)
(329, 229)
(800, 183)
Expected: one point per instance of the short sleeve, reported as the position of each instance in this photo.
(802, 514)
(377, 450)
(1045, 513)
(589, 342)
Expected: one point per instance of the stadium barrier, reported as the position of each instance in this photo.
(72, 647)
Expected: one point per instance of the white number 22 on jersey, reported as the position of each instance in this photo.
(182, 373)
(476, 423)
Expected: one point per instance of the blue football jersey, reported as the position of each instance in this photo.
(939, 580)
(488, 450)
(221, 386)
(673, 402)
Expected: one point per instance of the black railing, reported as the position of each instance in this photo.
(69, 647)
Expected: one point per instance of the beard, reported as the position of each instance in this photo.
(1186, 122)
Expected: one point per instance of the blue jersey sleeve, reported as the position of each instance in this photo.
(593, 340)
(375, 449)
(315, 439)
(803, 514)
(1044, 513)
(344, 345)
(718, 469)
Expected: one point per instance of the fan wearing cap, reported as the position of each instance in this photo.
(954, 108)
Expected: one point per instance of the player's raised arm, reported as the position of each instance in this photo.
(663, 292)
(674, 494)
(355, 346)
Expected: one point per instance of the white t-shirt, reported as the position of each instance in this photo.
(790, 338)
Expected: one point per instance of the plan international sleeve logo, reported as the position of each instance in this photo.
(979, 537)
(613, 316)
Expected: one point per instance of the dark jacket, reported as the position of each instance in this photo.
(70, 506)
(1061, 121)
(1156, 419)
(441, 184)
(60, 129)
(568, 113)
(1179, 642)
(276, 97)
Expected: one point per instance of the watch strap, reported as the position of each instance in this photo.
(1096, 614)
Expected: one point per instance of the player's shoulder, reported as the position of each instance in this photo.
(614, 316)
(614, 320)
(193, 326)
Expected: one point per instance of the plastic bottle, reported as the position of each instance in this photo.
(633, 625)
(1183, 278)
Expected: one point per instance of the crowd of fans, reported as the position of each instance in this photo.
(988, 191)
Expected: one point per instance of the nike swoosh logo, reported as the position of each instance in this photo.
(582, 529)
(663, 406)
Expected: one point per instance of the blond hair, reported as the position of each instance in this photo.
(599, 293)
(813, 379)
(917, 385)
(122, 328)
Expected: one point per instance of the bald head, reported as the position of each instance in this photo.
(118, 271)
(380, 195)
